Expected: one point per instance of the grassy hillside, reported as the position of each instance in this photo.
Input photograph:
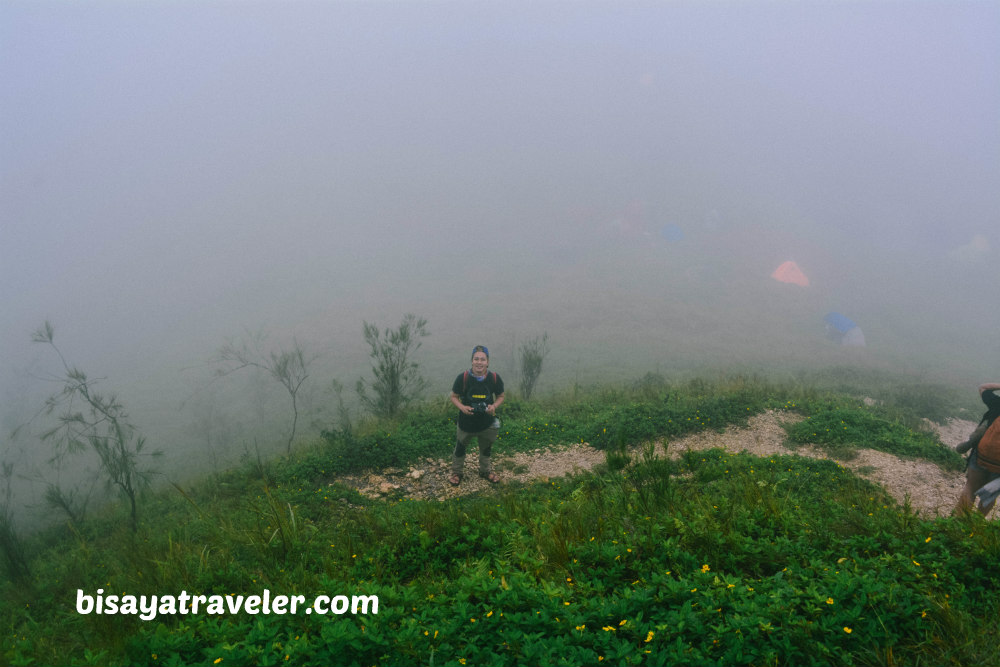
(714, 558)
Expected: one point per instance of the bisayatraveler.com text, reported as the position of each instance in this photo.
(147, 607)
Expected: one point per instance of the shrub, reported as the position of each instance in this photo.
(533, 353)
(98, 422)
(397, 381)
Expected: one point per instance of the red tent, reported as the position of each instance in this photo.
(789, 272)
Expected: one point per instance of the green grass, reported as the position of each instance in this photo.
(602, 418)
(715, 558)
(841, 430)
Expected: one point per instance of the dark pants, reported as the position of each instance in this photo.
(486, 438)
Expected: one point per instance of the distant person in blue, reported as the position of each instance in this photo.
(477, 393)
(980, 473)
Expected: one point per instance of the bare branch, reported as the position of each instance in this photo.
(290, 368)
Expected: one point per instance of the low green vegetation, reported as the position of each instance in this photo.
(841, 430)
(605, 418)
(709, 559)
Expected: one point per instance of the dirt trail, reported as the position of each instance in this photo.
(932, 491)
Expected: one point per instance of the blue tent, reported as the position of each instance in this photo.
(672, 233)
(843, 330)
(841, 323)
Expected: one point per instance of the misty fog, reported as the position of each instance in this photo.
(622, 176)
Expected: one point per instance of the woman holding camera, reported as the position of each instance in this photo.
(477, 393)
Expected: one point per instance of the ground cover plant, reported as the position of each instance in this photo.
(714, 558)
(603, 418)
(843, 429)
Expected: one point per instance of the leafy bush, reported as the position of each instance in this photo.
(397, 381)
(533, 353)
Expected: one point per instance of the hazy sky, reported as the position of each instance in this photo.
(176, 171)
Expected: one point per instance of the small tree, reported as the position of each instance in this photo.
(289, 367)
(343, 413)
(533, 354)
(99, 422)
(397, 379)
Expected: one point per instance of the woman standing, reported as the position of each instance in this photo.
(477, 393)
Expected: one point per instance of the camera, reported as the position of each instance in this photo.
(478, 408)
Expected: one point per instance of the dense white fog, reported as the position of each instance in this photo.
(623, 176)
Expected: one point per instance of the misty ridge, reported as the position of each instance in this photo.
(625, 179)
(666, 312)
(246, 248)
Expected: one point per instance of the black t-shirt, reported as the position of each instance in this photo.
(470, 391)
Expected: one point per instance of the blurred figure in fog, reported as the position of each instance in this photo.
(983, 465)
(477, 393)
